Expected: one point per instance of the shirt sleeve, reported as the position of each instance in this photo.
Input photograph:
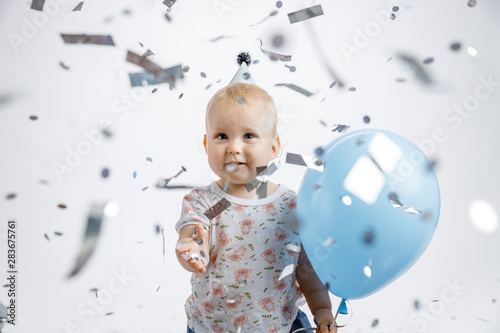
(193, 207)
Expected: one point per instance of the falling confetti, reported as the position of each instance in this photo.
(395, 9)
(164, 182)
(276, 56)
(47, 237)
(95, 291)
(145, 188)
(296, 88)
(308, 161)
(472, 3)
(472, 51)
(271, 14)
(397, 204)
(339, 128)
(346, 200)
(105, 173)
(37, 5)
(216, 209)
(57, 233)
(455, 46)
(366, 119)
(428, 61)
(149, 159)
(97, 213)
(185, 69)
(203, 75)
(63, 65)
(287, 271)
(352, 89)
(305, 14)
(62, 206)
(78, 7)
(374, 322)
(180, 96)
(154, 90)
(88, 39)
(262, 176)
(291, 68)
(10, 196)
(134, 174)
(483, 216)
(419, 71)
(279, 4)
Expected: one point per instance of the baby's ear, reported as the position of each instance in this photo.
(275, 148)
(205, 142)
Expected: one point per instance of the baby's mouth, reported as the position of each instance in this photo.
(231, 166)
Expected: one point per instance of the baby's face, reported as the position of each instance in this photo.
(242, 134)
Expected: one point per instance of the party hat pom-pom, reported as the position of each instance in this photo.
(243, 57)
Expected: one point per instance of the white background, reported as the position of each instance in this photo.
(170, 131)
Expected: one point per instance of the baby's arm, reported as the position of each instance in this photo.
(192, 250)
(316, 295)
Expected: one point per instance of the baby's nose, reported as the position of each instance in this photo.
(234, 147)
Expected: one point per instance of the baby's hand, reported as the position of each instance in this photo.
(194, 250)
(325, 320)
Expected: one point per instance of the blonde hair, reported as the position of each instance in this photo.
(244, 93)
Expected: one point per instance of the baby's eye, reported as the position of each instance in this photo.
(221, 136)
(249, 136)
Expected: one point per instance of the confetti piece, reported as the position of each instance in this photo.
(169, 4)
(308, 161)
(155, 74)
(62, 206)
(37, 5)
(417, 305)
(180, 96)
(397, 204)
(57, 233)
(10, 196)
(472, 3)
(63, 65)
(134, 174)
(417, 69)
(109, 313)
(374, 322)
(455, 46)
(339, 128)
(78, 7)
(368, 237)
(263, 174)
(185, 69)
(105, 173)
(296, 88)
(333, 84)
(276, 56)
(154, 90)
(392, 16)
(287, 271)
(483, 216)
(305, 14)
(395, 9)
(368, 271)
(292, 249)
(347, 200)
(164, 182)
(88, 39)
(158, 288)
(97, 213)
(217, 209)
(274, 12)
(47, 237)
(145, 188)
(95, 291)
(366, 119)
(352, 89)
(472, 51)
(428, 61)
(291, 68)
(149, 159)
(203, 75)
(279, 4)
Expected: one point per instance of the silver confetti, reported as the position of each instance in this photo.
(164, 182)
(276, 56)
(339, 128)
(78, 7)
(296, 88)
(308, 161)
(422, 75)
(274, 12)
(287, 271)
(88, 39)
(263, 174)
(305, 14)
(397, 204)
(37, 5)
(217, 209)
(97, 213)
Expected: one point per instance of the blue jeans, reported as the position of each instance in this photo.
(300, 321)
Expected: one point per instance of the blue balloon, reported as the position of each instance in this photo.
(370, 213)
